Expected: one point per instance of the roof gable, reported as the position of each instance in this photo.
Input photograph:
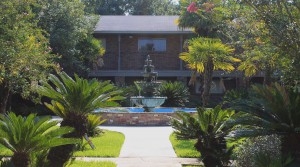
(139, 24)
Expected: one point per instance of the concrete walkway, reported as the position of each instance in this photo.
(146, 147)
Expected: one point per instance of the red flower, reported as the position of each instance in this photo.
(192, 7)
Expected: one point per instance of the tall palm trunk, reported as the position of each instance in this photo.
(208, 72)
(58, 156)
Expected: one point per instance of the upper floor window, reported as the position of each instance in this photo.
(152, 44)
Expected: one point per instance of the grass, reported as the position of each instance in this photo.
(92, 164)
(184, 148)
(108, 144)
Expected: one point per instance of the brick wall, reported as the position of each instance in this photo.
(132, 59)
(133, 119)
(137, 119)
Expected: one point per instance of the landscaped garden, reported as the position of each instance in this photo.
(47, 48)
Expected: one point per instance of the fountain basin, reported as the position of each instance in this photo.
(148, 103)
(135, 116)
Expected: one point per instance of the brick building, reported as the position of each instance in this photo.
(129, 39)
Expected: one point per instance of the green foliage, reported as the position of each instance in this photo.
(78, 96)
(70, 34)
(210, 18)
(184, 148)
(92, 125)
(73, 100)
(276, 25)
(176, 92)
(207, 127)
(206, 55)
(234, 94)
(24, 51)
(152, 7)
(272, 110)
(201, 49)
(246, 154)
(26, 136)
(132, 7)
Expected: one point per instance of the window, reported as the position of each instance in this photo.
(152, 45)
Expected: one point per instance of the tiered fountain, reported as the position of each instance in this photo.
(147, 87)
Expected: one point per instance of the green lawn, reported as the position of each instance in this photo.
(92, 164)
(184, 148)
(108, 144)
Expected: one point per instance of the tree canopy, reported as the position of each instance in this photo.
(24, 53)
(70, 34)
(131, 7)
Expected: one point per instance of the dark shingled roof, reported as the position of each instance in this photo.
(139, 24)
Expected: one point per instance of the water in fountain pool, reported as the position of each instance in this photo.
(139, 109)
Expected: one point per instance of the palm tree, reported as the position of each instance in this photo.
(206, 55)
(207, 127)
(271, 110)
(73, 100)
(26, 136)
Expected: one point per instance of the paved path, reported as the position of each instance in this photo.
(147, 147)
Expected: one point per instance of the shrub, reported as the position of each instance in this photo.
(92, 125)
(176, 92)
(246, 154)
(208, 130)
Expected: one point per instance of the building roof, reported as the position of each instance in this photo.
(139, 24)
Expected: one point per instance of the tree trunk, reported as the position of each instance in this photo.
(58, 156)
(208, 156)
(4, 94)
(20, 159)
(208, 72)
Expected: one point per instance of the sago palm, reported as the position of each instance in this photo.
(207, 128)
(72, 100)
(176, 92)
(206, 55)
(271, 110)
(26, 136)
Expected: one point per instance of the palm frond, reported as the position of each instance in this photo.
(78, 95)
(29, 134)
(271, 108)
